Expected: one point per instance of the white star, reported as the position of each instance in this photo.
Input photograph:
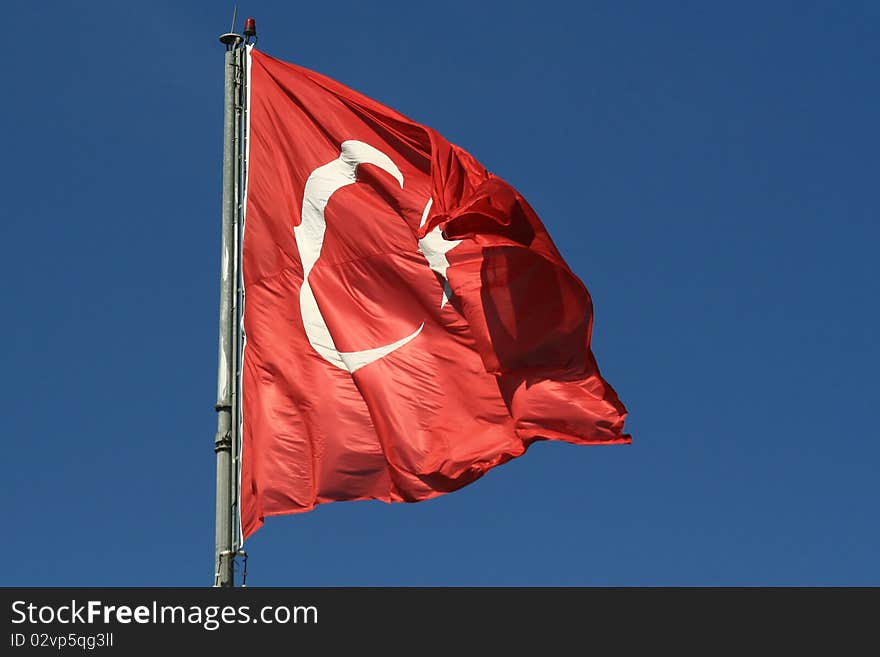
(435, 249)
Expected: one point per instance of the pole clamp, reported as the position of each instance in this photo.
(223, 442)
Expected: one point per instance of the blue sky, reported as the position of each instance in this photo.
(710, 172)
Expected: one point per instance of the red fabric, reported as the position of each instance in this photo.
(504, 363)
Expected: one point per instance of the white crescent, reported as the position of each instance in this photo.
(320, 186)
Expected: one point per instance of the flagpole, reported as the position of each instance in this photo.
(224, 551)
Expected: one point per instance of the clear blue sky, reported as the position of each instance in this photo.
(711, 172)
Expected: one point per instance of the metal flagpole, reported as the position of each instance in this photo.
(227, 425)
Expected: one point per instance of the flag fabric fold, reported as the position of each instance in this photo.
(409, 322)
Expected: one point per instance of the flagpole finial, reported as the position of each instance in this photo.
(231, 40)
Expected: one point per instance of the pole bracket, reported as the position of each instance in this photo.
(223, 442)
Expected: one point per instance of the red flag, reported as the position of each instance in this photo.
(409, 323)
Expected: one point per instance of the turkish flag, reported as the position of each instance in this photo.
(409, 323)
